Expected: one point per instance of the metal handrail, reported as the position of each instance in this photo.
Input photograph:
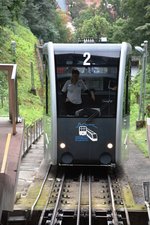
(31, 135)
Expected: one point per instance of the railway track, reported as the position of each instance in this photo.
(86, 199)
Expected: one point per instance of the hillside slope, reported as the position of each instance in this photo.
(30, 106)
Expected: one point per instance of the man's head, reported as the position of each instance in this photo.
(75, 75)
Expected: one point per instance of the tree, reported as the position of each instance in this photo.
(84, 15)
(16, 9)
(5, 16)
(145, 28)
(37, 14)
(138, 14)
(119, 31)
(95, 28)
(60, 23)
(43, 20)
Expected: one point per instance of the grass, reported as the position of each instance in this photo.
(30, 106)
(138, 136)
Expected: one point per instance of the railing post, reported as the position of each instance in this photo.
(27, 138)
(30, 135)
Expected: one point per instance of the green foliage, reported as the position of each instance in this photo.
(139, 136)
(84, 15)
(138, 16)
(119, 29)
(4, 13)
(3, 95)
(40, 16)
(130, 23)
(94, 27)
(10, 10)
(16, 8)
(44, 21)
(30, 106)
(63, 32)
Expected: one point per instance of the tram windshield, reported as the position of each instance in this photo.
(96, 85)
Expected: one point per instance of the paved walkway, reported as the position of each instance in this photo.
(137, 169)
(30, 165)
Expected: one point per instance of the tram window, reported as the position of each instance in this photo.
(126, 103)
(96, 77)
(96, 84)
(47, 92)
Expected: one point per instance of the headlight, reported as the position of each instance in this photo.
(62, 145)
(110, 145)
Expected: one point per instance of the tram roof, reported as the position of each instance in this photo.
(103, 49)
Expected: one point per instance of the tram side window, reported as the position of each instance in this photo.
(47, 92)
(126, 100)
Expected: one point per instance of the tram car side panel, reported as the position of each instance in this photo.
(92, 134)
(123, 104)
(50, 117)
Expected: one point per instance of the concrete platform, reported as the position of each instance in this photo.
(10, 155)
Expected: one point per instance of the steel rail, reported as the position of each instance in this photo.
(41, 189)
(90, 201)
(45, 207)
(43, 212)
(114, 213)
(52, 222)
(79, 201)
(126, 214)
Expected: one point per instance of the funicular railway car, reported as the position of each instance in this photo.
(96, 133)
